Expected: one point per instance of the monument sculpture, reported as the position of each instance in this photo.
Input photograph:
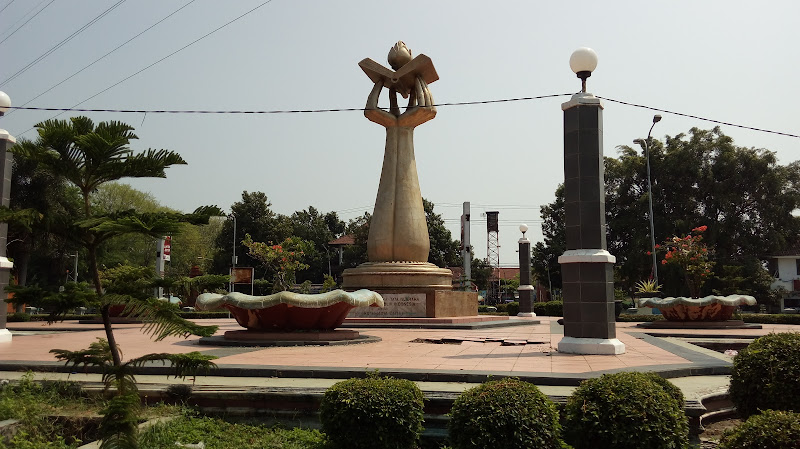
(398, 243)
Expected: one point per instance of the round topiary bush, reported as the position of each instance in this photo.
(626, 411)
(771, 429)
(373, 413)
(513, 308)
(766, 375)
(502, 414)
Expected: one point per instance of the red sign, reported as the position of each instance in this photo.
(167, 247)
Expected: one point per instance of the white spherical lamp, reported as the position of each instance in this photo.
(523, 228)
(583, 62)
(5, 103)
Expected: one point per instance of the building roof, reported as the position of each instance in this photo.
(791, 250)
(347, 239)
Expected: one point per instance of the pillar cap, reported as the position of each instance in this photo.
(4, 135)
(582, 99)
(586, 256)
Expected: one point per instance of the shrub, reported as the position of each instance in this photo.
(766, 375)
(372, 413)
(502, 307)
(770, 429)
(18, 317)
(771, 318)
(513, 308)
(506, 413)
(626, 410)
(549, 308)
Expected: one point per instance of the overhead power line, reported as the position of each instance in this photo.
(314, 111)
(7, 5)
(109, 53)
(32, 17)
(64, 41)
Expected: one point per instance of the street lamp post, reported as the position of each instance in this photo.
(233, 257)
(587, 268)
(525, 288)
(6, 142)
(646, 146)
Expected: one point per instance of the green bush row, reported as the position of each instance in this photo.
(549, 308)
(763, 318)
(623, 410)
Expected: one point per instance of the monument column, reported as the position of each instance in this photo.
(6, 142)
(525, 288)
(586, 266)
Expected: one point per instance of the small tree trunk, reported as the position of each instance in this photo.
(104, 310)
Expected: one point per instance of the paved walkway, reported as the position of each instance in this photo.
(443, 367)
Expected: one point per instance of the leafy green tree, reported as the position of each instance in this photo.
(481, 273)
(445, 252)
(254, 217)
(545, 264)
(35, 244)
(285, 259)
(701, 179)
(88, 156)
(319, 229)
(358, 227)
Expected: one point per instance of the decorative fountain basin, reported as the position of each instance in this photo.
(709, 308)
(288, 311)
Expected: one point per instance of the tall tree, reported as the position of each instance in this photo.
(545, 264)
(319, 229)
(742, 194)
(89, 156)
(254, 217)
(445, 252)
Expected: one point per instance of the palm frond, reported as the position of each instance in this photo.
(162, 320)
(189, 364)
(24, 218)
(98, 354)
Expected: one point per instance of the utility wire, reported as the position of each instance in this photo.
(7, 5)
(145, 68)
(32, 17)
(64, 41)
(699, 118)
(107, 54)
(173, 53)
(307, 111)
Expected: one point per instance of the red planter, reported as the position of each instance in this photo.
(285, 317)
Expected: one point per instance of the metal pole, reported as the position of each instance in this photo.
(233, 258)
(650, 201)
(466, 252)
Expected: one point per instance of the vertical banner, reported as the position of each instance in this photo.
(167, 248)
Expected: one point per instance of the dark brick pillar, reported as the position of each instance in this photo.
(525, 288)
(6, 142)
(586, 266)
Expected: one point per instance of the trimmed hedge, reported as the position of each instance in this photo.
(771, 318)
(639, 318)
(549, 308)
(626, 411)
(770, 429)
(766, 375)
(512, 308)
(504, 414)
(372, 413)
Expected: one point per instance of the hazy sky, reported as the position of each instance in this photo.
(733, 61)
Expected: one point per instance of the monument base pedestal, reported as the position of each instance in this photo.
(589, 346)
(409, 290)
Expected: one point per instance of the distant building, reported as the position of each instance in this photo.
(785, 267)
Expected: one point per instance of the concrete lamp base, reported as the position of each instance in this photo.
(5, 336)
(528, 314)
(591, 346)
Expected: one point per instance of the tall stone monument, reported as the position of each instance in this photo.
(398, 242)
